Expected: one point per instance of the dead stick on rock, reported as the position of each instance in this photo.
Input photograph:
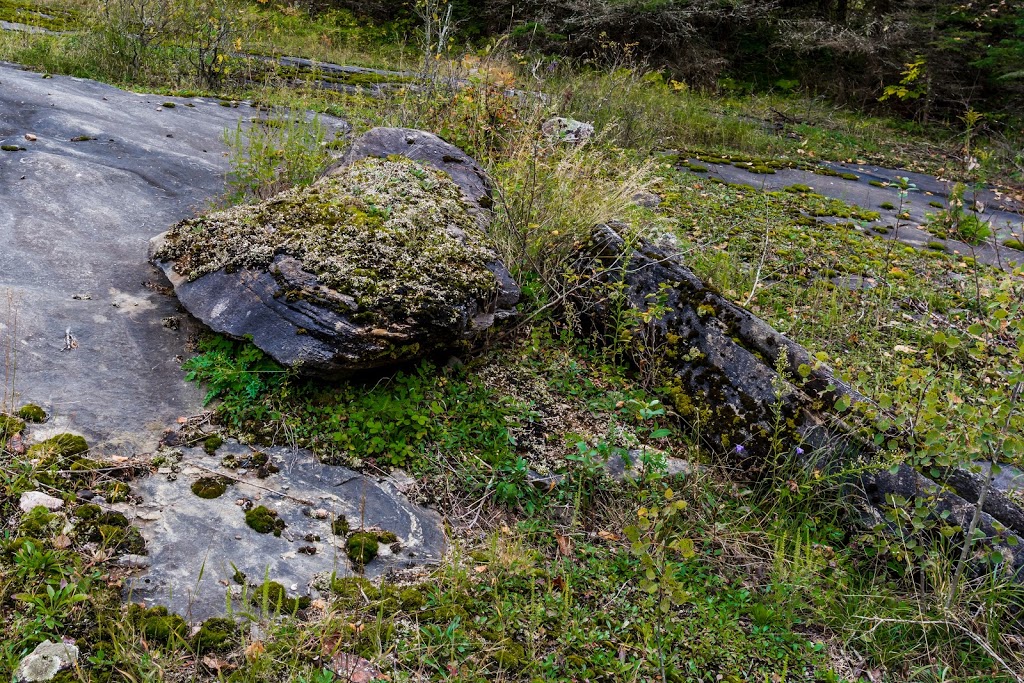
(247, 482)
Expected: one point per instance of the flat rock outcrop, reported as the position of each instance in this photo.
(383, 260)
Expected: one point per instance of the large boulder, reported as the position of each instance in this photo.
(383, 260)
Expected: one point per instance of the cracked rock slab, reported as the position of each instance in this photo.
(196, 545)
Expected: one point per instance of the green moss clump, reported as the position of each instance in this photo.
(849, 176)
(387, 537)
(512, 657)
(216, 633)
(382, 232)
(12, 148)
(877, 183)
(888, 206)
(9, 426)
(212, 443)
(209, 487)
(797, 188)
(162, 628)
(411, 599)
(936, 205)
(275, 596)
(262, 520)
(340, 526)
(352, 589)
(82, 138)
(114, 491)
(1014, 244)
(30, 412)
(937, 246)
(88, 511)
(58, 450)
(361, 547)
(38, 522)
(169, 105)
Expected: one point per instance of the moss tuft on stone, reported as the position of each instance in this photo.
(263, 520)
(387, 537)
(340, 526)
(389, 235)
(212, 443)
(209, 487)
(58, 450)
(361, 547)
(30, 412)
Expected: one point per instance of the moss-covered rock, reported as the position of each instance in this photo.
(385, 257)
(263, 520)
(361, 547)
(210, 487)
(382, 235)
(212, 443)
(30, 412)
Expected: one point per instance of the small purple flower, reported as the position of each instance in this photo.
(740, 449)
(799, 451)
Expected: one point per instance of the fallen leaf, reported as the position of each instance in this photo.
(607, 536)
(255, 649)
(354, 669)
(901, 348)
(217, 664)
(480, 568)
(182, 420)
(60, 542)
(564, 545)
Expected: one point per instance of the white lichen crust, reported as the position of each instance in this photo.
(391, 234)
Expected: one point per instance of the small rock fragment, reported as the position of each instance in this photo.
(30, 137)
(33, 499)
(46, 661)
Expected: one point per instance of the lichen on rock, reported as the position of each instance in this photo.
(387, 235)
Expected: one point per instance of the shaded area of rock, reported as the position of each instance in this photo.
(196, 545)
(339, 292)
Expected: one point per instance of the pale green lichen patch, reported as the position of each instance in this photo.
(394, 235)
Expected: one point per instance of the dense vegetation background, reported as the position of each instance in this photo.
(935, 58)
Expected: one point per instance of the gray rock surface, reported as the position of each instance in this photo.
(317, 330)
(195, 544)
(75, 222)
(32, 499)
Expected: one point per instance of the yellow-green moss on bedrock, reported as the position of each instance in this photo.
(385, 232)
(30, 412)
